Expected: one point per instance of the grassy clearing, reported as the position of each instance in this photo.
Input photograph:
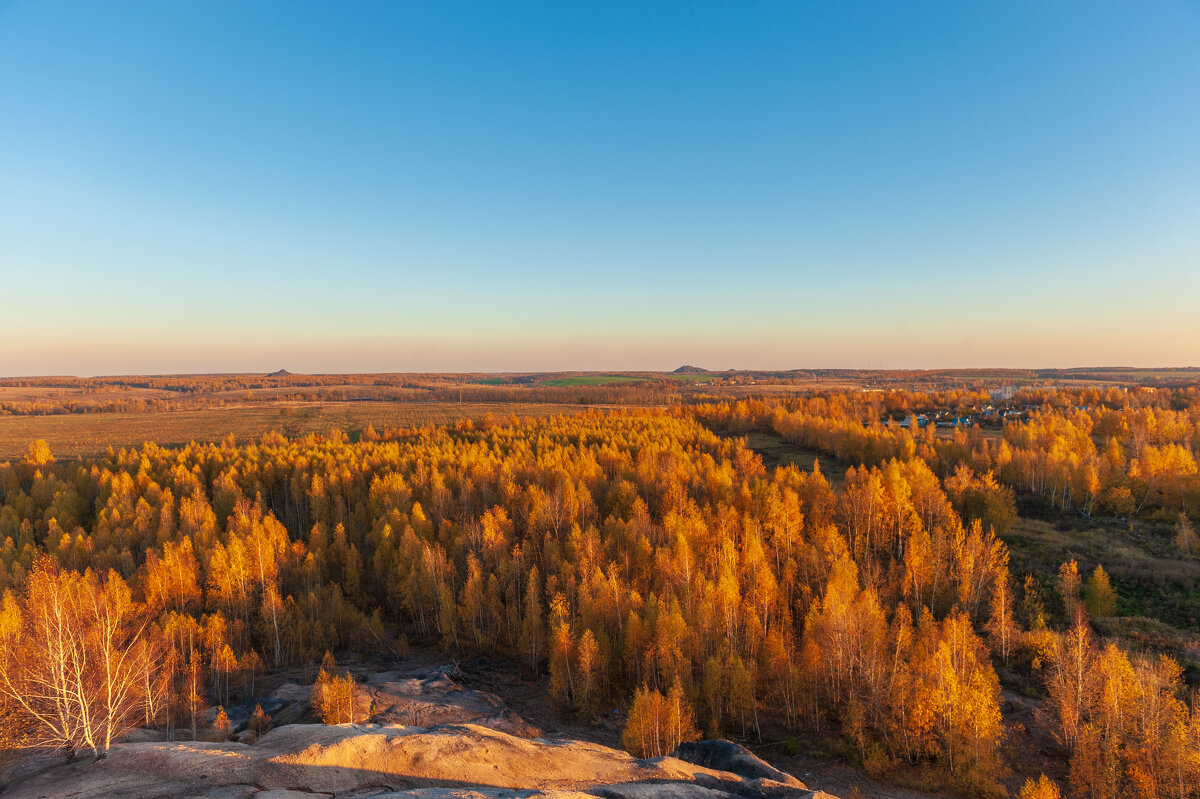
(1151, 578)
(1158, 590)
(81, 435)
(593, 380)
(775, 451)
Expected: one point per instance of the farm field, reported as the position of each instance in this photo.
(594, 380)
(83, 435)
(97, 393)
(697, 378)
(775, 389)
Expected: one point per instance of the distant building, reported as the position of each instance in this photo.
(1002, 393)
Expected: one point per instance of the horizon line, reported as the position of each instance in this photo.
(522, 372)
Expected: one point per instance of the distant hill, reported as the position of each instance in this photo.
(689, 370)
(280, 373)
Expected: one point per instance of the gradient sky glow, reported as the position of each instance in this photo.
(442, 186)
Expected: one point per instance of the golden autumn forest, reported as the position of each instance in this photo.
(890, 594)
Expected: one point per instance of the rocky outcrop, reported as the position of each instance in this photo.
(427, 737)
(389, 698)
(728, 756)
(424, 699)
(364, 761)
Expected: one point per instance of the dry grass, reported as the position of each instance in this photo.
(1146, 556)
(81, 435)
(98, 393)
(1158, 601)
(775, 451)
(349, 390)
(767, 387)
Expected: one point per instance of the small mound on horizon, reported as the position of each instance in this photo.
(280, 373)
(687, 369)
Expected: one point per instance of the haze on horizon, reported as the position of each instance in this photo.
(396, 187)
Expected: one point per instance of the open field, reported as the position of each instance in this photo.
(594, 380)
(775, 451)
(1158, 602)
(98, 393)
(994, 433)
(77, 435)
(1124, 375)
(726, 391)
(1151, 577)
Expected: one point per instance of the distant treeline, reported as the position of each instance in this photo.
(222, 394)
(888, 392)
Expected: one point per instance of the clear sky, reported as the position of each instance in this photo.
(443, 186)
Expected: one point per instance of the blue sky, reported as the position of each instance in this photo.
(244, 186)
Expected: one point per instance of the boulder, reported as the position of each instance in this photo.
(433, 700)
(728, 756)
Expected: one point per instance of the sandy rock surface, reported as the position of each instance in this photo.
(389, 698)
(426, 699)
(427, 738)
(367, 761)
